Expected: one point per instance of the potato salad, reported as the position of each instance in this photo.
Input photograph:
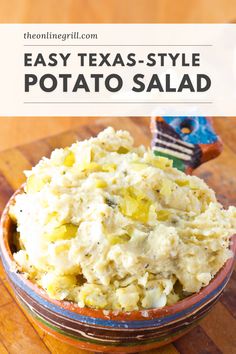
(110, 226)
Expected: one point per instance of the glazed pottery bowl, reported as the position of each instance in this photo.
(108, 331)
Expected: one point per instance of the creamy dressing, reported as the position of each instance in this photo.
(109, 225)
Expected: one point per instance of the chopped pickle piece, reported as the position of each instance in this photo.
(114, 239)
(137, 193)
(186, 182)
(100, 154)
(182, 182)
(69, 159)
(163, 215)
(166, 188)
(63, 232)
(161, 162)
(138, 166)
(122, 150)
(61, 248)
(99, 183)
(142, 213)
(109, 167)
(90, 167)
(130, 206)
(135, 205)
(193, 186)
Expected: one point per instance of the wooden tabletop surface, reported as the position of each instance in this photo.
(215, 333)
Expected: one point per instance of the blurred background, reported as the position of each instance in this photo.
(15, 131)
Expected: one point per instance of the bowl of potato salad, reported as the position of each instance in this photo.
(111, 248)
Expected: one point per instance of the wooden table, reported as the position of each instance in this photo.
(215, 334)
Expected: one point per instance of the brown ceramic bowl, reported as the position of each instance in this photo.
(108, 331)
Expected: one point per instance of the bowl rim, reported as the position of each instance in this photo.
(223, 275)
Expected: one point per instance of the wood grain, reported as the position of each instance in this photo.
(18, 332)
(197, 339)
(221, 318)
(17, 335)
(228, 298)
